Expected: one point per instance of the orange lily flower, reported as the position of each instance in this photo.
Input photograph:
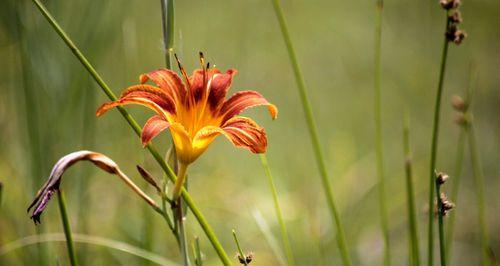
(196, 111)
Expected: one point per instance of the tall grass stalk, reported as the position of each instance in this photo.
(198, 260)
(311, 124)
(459, 158)
(479, 182)
(242, 256)
(434, 146)
(279, 213)
(167, 19)
(67, 227)
(33, 130)
(378, 133)
(412, 216)
(441, 213)
(131, 121)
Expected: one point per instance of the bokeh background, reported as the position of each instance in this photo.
(48, 101)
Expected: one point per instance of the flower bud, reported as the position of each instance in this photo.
(449, 4)
(458, 103)
(441, 178)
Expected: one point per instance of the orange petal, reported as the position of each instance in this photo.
(152, 128)
(243, 100)
(155, 94)
(241, 131)
(219, 86)
(133, 100)
(198, 81)
(168, 81)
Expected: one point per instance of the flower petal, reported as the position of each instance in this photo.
(198, 84)
(133, 100)
(152, 128)
(241, 131)
(155, 94)
(243, 100)
(219, 86)
(168, 81)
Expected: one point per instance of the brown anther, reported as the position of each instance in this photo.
(441, 177)
(455, 17)
(449, 4)
(458, 103)
(460, 35)
(447, 205)
(247, 259)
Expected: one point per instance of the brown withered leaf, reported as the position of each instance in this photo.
(52, 185)
(149, 178)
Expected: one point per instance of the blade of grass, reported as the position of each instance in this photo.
(270, 238)
(279, 213)
(167, 19)
(311, 124)
(67, 228)
(441, 213)
(434, 146)
(85, 239)
(479, 182)
(378, 134)
(412, 217)
(242, 256)
(198, 260)
(131, 121)
(459, 158)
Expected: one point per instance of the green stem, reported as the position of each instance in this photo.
(67, 228)
(441, 225)
(435, 135)
(479, 180)
(179, 183)
(131, 121)
(457, 174)
(167, 19)
(378, 134)
(279, 213)
(311, 124)
(1, 191)
(198, 260)
(179, 215)
(240, 251)
(412, 217)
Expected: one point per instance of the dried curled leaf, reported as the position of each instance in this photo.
(52, 185)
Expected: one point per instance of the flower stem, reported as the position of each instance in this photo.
(479, 180)
(167, 19)
(441, 225)
(279, 213)
(131, 121)
(67, 228)
(177, 209)
(311, 124)
(378, 134)
(412, 217)
(435, 135)
(240, 251)
(181, 177)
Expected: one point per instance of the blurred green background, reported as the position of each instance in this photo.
(48, 101)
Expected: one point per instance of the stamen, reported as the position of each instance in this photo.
(183, 71)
